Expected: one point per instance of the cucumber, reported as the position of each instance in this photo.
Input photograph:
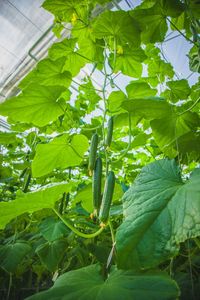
(110, 132)
(96, 184)
(27, 180)
(93, 153)
(107, 197)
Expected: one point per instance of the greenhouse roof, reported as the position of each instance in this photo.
(26, 34)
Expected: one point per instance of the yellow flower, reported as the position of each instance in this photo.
(73, 19)
(120, 50)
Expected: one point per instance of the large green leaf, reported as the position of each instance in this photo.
(88, 46)
(115, 100)
(61, 152)
(52, 229)
(152, 23)
(168, 129)
(160, 211)
(7, 138)
(62, 49)
(11, 255)
(148, 108)
(189, 147)
(37, 104)
(139, 89)
(172, 8)
(194, 7)
(49, 73)
(119, 25)
(129, 62)
(179, 90)
(122, 119)
(51, 253)
(88, 284)
(74, 61)
(160, 69)
(63, 9)
(44, 197)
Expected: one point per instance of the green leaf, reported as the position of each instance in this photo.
(148, 108)
(85, 197)
(179, 89)
(194, 59)
(44, 197)
(87, 99)
(52, 229)
(73, 59)
(88, 284)
(48, 73)
(129, 62)
(139, 89)
(160, 212)
(146, 4)
(115, 100)
(38, 105)
(5, 173)
(74, 63)
(160, 69)
(63, 9)
(89, 47)
(139, 140)
(172, 8)
(194, 7)
(12, 255)
(119, 25)
(152, 23)
(128, 66)
(7, 138)
(122, 119)
(168, 129)
(62, 49)
(59, 153)
(189, 147)
(51, 253)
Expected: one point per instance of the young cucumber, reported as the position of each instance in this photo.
(107, 197)
(93, 153)
(96, 184)
(110, 132)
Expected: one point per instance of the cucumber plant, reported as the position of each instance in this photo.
(120, 145)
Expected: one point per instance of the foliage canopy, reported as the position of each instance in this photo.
(149, 247)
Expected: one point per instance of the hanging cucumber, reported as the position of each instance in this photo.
(96, 185)
(27, 180)
(93, 153)
(110, 132)
(61, 204)
(107, 197)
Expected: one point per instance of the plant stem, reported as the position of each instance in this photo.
(9, 286)
(90, 129)
(76, 231)
(115, 52)
(191, 107)
(113, 245)
(105, 111)
(112, 232)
